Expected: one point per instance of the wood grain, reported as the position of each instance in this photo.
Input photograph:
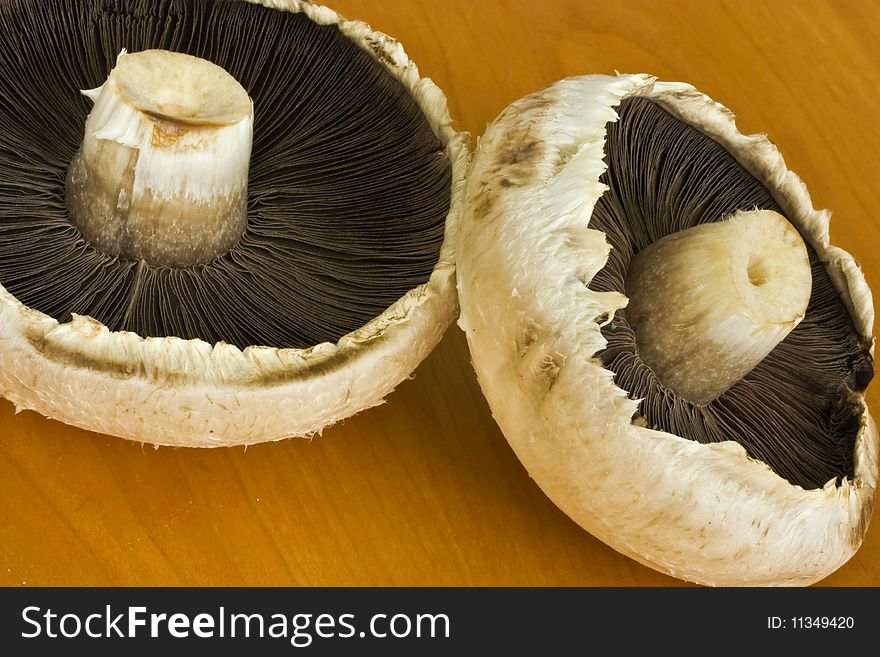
(424, 490)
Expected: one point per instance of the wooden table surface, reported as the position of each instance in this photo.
(424, 489)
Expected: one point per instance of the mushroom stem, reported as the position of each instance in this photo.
(162, 171)
(707, 304)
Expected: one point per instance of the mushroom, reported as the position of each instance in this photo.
(665, 335)
(168, 278)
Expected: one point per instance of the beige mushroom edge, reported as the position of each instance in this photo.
(700, 512)
(169, 391)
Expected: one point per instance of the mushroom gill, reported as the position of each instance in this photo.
(173, 305)
(571, 197)
(348, 191)
(794, 411)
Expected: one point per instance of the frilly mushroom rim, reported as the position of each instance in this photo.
(170, 391)
(701, 512)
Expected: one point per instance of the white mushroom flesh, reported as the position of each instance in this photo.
(162, 172)
(710, 302)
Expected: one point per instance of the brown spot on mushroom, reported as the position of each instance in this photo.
(126, 369)
(485, 202)
(520, 152)
(548, 371)
(380, 49)
(518, 157)
(167, 132)
(116, 369)
(539, 365)
(564, 153)
(528, 335)
(536, 103)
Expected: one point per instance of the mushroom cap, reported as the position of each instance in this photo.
(171, 391)
(704, 512)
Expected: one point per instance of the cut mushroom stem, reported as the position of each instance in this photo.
(162, 171)
(707, 304)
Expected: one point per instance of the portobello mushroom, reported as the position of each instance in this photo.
(665, 335)
(164, 278)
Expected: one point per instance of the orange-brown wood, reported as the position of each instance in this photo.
(424, 489)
